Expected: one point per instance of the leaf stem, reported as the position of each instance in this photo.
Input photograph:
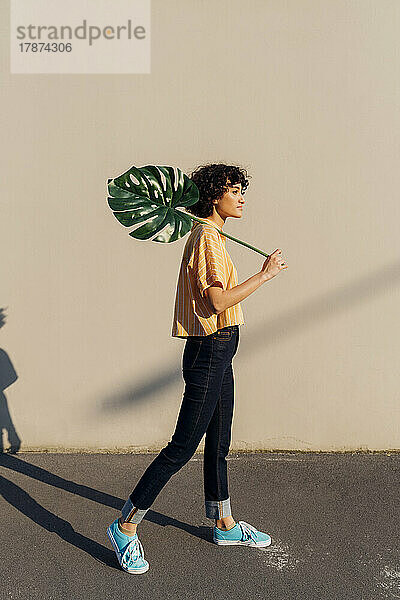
(225, 234)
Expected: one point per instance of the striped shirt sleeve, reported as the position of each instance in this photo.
(208, 262)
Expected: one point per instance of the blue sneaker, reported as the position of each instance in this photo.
(242, 534)
(128, 549)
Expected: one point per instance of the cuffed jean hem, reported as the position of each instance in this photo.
(218, 509)
(132, 514)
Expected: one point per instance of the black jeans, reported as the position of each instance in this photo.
(207, 408)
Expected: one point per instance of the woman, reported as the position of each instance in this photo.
(207, 314)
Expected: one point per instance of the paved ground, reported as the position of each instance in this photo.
(333, 519)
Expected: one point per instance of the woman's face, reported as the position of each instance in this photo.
(232, 202)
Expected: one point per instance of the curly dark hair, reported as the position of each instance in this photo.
(211, 179)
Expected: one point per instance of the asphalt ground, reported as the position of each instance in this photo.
(333, 519)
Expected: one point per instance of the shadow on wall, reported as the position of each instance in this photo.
(7, 377)
(312, 312)
(303, 317)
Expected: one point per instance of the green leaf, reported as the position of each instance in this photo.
(151, 194)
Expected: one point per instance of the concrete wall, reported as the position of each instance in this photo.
(303, 93)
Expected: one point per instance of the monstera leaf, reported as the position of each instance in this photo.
(152, 195)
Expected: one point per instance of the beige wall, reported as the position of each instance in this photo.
(305, 94)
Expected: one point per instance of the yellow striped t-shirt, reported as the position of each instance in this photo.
(205, 261)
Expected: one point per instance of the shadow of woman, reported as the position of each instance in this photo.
(23, 502)
(8, 376)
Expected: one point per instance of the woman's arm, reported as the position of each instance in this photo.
(220, 299)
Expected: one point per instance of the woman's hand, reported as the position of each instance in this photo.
(273, 265)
